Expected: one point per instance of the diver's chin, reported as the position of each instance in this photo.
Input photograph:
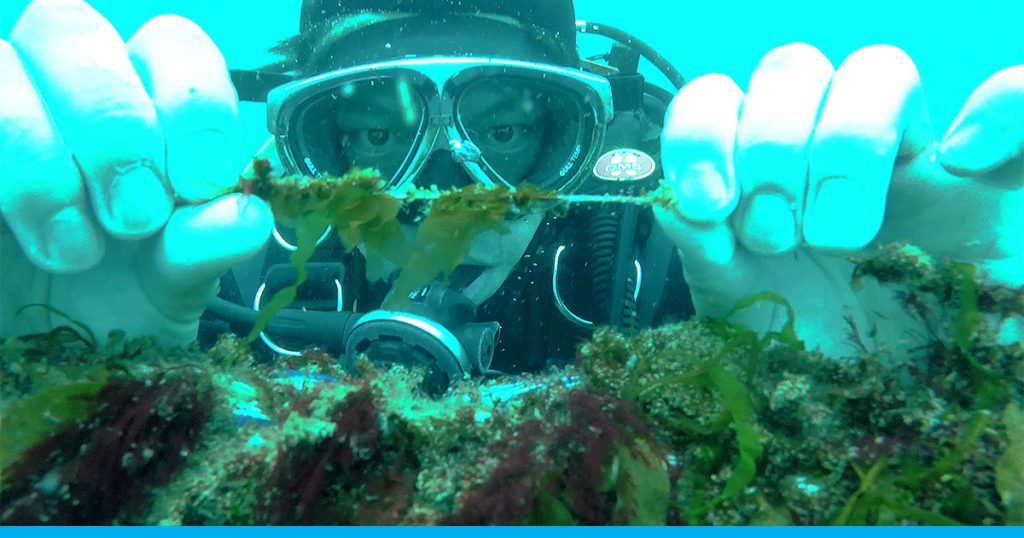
(490, 261)
(494, 256)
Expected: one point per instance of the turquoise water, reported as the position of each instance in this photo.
(805, 406)
(956, 45)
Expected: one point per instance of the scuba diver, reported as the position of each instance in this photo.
(501, 101)
(115, 154)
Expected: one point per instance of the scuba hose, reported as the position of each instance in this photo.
(632, 42)
(613, 233)
(610, 240)
(436, 330)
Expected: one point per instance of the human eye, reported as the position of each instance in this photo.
(508, 135)
(370, 141)
(376, 138)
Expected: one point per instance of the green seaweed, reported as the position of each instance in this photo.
(1009, 468)
(38, 415)
(642, 486)
(362, 214)
(967, 319)
(308, 229)
(739, 412)
(80, 329)
(547, 509)
(913, 476)
(353, 205)
(862, 500)
(786, 335)
(443, 238)
(735, 398)
(452, 221)
(890, 494)
(878, 500)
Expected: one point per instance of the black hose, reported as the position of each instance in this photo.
(254, 85)
(629, 40)
(328, 329)
(602, 235)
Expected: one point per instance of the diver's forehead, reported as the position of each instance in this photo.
(418, 37)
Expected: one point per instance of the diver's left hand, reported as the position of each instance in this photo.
(115, 158)
(777, 187)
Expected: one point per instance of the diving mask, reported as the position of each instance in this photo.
(506, 122)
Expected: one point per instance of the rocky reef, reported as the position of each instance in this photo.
(701, 422)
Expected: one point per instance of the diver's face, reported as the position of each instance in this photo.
(379, 123)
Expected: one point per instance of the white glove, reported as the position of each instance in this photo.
(777, 187)
(112, 156)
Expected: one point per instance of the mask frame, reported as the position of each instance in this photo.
(440, 81)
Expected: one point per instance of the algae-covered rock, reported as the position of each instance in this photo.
(700, 422)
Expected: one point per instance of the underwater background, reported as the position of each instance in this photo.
(955, 45)
(702, 422)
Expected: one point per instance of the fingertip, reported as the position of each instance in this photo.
(722, 88)
(66, 242)
(166, 24)
(132, 202)
(798, 55)
(976, 149)
(71, 243)
(989, 130)
(777, 121)
(843, 214)
(705, 193)
(874, 115)
(38, 14)
(768, 226)
(698, 143)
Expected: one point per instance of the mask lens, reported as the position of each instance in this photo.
(528, 130)
(367, 123)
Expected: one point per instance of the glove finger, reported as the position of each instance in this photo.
(80, 66)
(198, 244)
(188, 81)
(697, 156)
(989, 130)
(41, 193)
(873, 114)
(697, 148)
(773, 145)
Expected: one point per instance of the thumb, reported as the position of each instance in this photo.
(200, 243)
(989, 131)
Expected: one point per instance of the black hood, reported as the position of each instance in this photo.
(556, 19)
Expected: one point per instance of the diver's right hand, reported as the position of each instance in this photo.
(113, 159)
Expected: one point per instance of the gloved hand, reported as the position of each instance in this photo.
(777, 187)
(112, 156)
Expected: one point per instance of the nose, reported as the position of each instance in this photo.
(442, 170)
